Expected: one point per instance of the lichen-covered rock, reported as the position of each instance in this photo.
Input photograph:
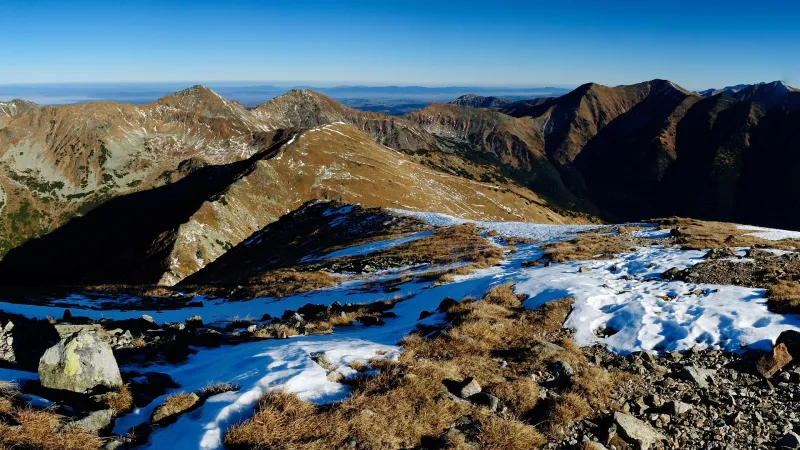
(80, 363)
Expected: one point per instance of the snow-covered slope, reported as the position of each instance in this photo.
(624, 297)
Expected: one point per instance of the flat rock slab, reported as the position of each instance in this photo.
(637, 430)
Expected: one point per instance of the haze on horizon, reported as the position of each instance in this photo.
(698, 45)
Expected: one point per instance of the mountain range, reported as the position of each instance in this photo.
(153, 193)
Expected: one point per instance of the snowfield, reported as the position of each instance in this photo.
(621, 303)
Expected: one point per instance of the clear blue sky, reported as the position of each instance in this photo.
(697, 44)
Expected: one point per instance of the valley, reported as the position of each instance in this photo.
(614, 267)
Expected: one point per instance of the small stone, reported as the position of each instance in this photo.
(695, 374)
(335, 377)
(486, 399)
(561, 372)
(774, 361)
(469, 387)
(424, 314)
(252, 328)
(148, 318)
(677, 408)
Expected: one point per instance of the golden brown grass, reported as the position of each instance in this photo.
(405, 401)
(509, 434)
(449, 245)
(174, 405)
(120, 402)
(281, 283)
(694, 234)
(519, 395)
(41, 429)
(784, 297)
(586, 246)
(568, 409)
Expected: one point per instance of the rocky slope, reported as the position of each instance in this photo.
(624, 153)
(164, 234)
(479, 101)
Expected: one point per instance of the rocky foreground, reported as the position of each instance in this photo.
(429, 338)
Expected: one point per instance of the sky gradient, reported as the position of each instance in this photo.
(433, 42)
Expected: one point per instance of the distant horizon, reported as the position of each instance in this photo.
(376, 84)
(390, 98)
(699, 45)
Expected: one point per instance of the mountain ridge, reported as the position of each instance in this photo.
(624, 152)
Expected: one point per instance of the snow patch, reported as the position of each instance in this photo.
(770, 234)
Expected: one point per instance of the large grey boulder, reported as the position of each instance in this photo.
(79, 363)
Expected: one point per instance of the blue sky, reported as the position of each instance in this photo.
(434, 42)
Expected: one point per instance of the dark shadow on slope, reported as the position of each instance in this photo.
(129, 238)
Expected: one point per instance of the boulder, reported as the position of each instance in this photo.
(446, 304)
(791, 339)
(635, 430)
(769, 364)
(79, 363)
(95, 422)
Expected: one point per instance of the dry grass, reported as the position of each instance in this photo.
(276, 283)
(586, 246)
(139, 342)
(694, 234)
(784, 297)
(507, 434)
(41, 429)
(278, 331)
(281, 283)
(212, 389)
(568, 409)
(174, 405)
(520, 395)
(405, 401)
(120, 402)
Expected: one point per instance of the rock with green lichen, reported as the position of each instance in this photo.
(80, 363)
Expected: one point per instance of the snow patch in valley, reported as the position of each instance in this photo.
(770, 234)
(627, 295)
